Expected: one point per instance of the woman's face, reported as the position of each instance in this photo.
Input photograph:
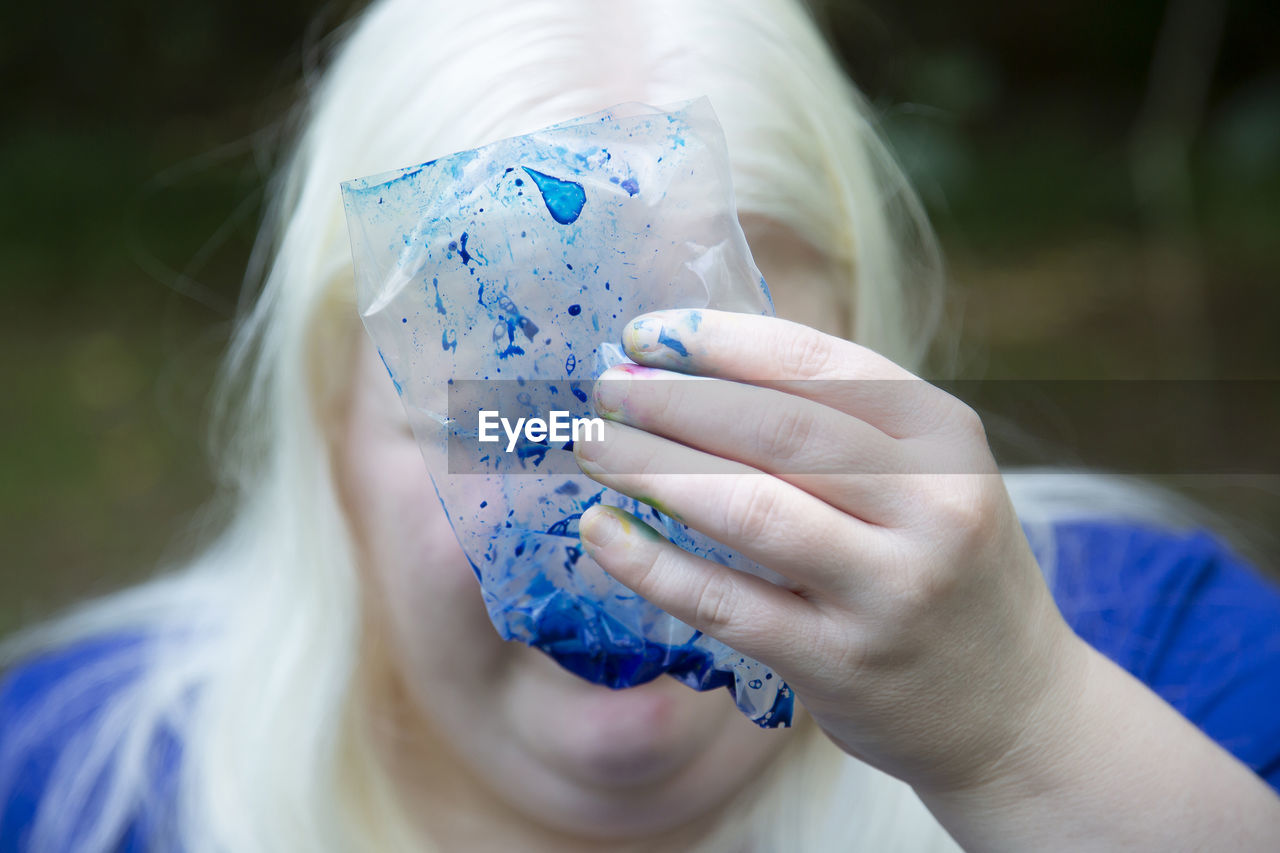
(482, 728)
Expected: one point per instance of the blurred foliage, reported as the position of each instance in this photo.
(136, 138)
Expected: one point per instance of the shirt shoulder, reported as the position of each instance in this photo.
(1189, 618)
(51, 707)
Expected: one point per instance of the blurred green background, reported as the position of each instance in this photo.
(1105, 178)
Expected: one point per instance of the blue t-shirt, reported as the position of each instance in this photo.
(1179, 611)
(50, 708)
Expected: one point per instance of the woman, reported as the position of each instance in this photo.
(324, 676)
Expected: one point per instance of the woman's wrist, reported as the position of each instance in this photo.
(1107, 765)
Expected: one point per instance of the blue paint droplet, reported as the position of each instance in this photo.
(570, 363)
(404, 319)
(483, 504)
(575, 310)
(519, 182)
(462, 250)
(579, 393)
(446, 343)
(755, 684)
(630, 186)
(564, 199)
(572, 553)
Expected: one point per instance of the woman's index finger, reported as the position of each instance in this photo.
(749, 347)
(790, 357)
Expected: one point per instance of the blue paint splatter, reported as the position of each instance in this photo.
(575, 310)
(630, 186)
(537, 451)
(506, 328)
(572, 553)
(564, 199)
(566, 526)
(435, 282)
(569, 364)
(446, 343)
(672, 343)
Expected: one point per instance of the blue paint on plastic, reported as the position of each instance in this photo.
(394, 381)
(459, 251)
(435, 283)
(564, 199)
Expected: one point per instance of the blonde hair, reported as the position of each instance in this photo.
(257, 665)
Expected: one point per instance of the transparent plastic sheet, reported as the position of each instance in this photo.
(521, 261)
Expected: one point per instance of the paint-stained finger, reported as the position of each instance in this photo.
(748, 614)
(770, 521)
(777, 353)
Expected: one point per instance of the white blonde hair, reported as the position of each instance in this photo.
(256, 664)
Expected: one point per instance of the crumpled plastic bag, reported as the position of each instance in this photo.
(515, 266)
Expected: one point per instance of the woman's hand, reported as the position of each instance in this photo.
(914, 625)
(910, 616)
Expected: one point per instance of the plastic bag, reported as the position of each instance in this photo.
(512, 269)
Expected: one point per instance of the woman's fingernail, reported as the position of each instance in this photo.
(661, 336)
(610, 391)
(599, 528)
(642, 335)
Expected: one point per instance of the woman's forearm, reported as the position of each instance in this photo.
(1111, 766)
